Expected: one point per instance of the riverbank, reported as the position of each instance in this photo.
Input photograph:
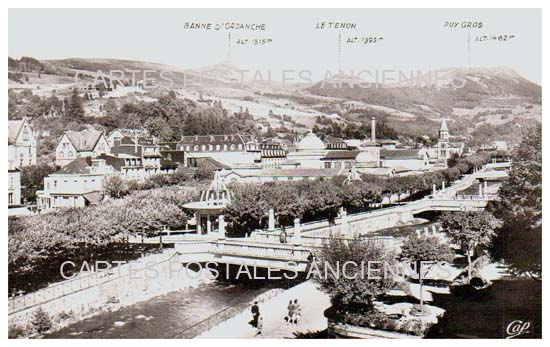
(94, 294)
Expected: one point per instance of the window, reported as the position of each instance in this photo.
(70, 154)
(327, 165)
(240, 146)
(55, 183)
(196, 148)
(61, 154)
(210, 147)
(217, 147)
(232, 147)
(26, 134)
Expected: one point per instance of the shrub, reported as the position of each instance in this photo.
(15, 331)
(41, 321)
(65, 315)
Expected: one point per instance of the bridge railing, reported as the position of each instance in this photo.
(319, 241)
(472, 197)
(261, 251)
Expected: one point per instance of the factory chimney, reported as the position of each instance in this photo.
(373, 129)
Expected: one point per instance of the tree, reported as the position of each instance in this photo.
(471, 230)
(424, 251)
(519, 241)
(41, 321)
(75, 110)
(453, 160)
(350, 287)
(32, 178)
(115, 186)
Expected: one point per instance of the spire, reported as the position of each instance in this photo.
(444, 125)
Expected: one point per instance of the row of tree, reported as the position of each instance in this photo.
(312, 200)
(37, 242)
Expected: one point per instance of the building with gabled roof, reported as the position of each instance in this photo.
(21, 143)
(80, 144)
(405, 160)
(119, 133)
(77, 184)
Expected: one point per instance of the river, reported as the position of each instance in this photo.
(164, 316)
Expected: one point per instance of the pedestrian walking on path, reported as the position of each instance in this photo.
(260, 327)
(290, 315)
(297, 312)
(255, 310)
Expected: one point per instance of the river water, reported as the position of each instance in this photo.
(165, 315)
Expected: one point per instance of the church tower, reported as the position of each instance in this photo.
(443, 142)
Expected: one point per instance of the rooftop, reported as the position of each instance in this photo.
(401, 154)
(331, 155)
(14, 127)
(84, 140)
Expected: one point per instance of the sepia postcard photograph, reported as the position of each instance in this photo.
(274, 173)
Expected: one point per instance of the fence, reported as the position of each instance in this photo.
(80, 283)
(221, 316)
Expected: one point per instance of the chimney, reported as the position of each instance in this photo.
(373, 129)
(135, 143)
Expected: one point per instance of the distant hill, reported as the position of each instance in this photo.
(457, 87)
(490, 98)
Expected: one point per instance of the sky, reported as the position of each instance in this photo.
(413, 39)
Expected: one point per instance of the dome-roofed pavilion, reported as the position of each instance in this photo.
(208, 211)
(311, 142)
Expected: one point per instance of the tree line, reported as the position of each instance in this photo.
(312, 200)
(38, 244)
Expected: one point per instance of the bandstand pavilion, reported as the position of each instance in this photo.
(209, 210)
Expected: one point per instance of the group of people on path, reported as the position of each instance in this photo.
(294, 314)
